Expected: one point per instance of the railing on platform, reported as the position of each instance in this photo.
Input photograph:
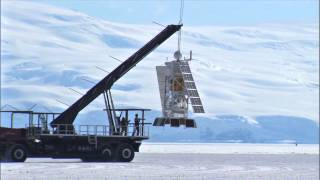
(88, 130)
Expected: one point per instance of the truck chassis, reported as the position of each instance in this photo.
(87, 142)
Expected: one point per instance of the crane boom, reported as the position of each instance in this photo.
(69, 115)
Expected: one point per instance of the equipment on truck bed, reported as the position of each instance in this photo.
(63, 139)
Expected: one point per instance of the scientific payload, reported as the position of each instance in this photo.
(177, 88)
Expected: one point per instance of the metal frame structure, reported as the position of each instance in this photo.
(31, 115)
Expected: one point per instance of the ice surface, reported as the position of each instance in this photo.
(179, 161)
(229, 148)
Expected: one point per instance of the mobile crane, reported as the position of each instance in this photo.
(62, 139)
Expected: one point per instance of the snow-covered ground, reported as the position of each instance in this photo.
(229, 148)
(177, 161)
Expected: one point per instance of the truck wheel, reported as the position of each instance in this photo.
(16, 153)
(125, 153)
(107, 153)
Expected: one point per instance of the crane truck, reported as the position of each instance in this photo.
(61, 138)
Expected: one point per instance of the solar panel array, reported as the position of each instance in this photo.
(191, 87)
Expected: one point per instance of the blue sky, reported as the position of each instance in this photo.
(201, 12)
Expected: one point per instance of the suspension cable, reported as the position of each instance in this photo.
(180, 22)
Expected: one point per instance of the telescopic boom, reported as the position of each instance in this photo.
(68, 116)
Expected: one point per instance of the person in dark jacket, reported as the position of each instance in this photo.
(118, 122)
(136, 125)
(124, 126)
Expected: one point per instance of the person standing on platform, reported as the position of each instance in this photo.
(136, 125)
(124, 126)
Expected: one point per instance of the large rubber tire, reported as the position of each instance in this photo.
(16, 153)
(125, 153)
(107, 153)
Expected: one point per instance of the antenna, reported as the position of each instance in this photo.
(45, 107)
(102, 69)
(76, 91)
(62, 102)
(116, 58)
(158, 24)
(32, 107)
(88, 81)
(8, 105)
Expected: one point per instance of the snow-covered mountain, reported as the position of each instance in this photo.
(247, 72)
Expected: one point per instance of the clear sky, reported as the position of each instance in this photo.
(197, 12)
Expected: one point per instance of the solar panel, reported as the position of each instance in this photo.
(175, 123)
(185, 69)
(193, 93)
(161, 81)
(195, 101)
(183, 63)
(198, 109)
(187, 77)
(191, 87)
(158, 122)
(191, 123)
